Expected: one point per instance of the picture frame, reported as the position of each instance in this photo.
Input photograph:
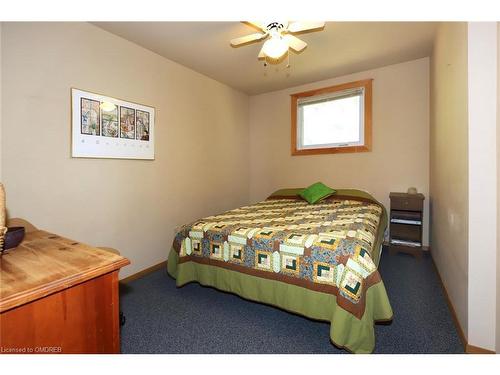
(107, 127)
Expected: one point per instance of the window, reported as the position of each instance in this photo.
(332, 119)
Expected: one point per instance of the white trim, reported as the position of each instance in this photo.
(482, 179)
(326, 97)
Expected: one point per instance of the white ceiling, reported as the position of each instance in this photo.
(341, 48)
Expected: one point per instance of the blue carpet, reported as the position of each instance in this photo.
(195, 319)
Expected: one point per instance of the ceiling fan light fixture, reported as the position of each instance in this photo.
(275, 47)
(281, 38)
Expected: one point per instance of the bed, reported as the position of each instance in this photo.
(318, 260)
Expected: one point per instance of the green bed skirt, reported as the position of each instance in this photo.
(346, 331)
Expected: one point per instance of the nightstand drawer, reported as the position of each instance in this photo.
(406, 204)
(406, 232)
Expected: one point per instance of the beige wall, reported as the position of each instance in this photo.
(201, 141)
(449, 163)
(498, 194)
(400, 155)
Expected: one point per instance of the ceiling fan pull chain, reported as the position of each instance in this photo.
(288, 65)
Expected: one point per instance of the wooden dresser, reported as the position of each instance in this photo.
(59, 296)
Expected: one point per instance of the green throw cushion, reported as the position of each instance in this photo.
(316, 192)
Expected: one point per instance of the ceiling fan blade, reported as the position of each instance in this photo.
(247, 39)
(257, 25)
(295, 43)
(261, 55)
(298, 26)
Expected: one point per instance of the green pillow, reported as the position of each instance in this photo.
(316, 192)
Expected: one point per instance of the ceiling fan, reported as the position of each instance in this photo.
(280, 37)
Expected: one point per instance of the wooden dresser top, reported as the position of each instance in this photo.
(45, 263)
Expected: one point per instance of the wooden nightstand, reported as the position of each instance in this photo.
(406, 222)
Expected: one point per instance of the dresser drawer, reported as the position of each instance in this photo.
(406, 204)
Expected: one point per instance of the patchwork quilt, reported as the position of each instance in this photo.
(329, 248)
